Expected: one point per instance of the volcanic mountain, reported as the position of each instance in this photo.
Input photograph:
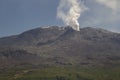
(61, 46)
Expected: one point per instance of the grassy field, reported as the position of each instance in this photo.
(61, 73)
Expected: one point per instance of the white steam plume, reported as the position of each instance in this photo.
(69, 11)
(109, 3)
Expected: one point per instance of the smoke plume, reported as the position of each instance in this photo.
(69, 11)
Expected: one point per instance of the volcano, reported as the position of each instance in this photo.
(61, 46)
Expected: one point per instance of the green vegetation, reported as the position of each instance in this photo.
(61, 73)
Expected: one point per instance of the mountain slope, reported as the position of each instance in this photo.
(64, 46)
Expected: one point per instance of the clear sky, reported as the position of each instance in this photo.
(17, 16)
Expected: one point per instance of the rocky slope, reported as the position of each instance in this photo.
(62, 46)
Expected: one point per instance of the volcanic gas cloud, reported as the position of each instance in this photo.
(69, 11)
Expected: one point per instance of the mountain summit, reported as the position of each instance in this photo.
(61, 46)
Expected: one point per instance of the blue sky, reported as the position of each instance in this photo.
(17, 16)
